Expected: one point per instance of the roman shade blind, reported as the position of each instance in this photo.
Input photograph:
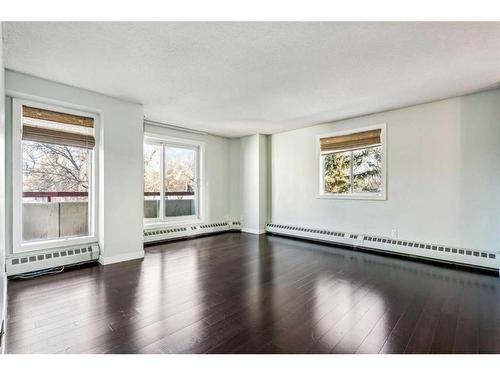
(45, 126)
(351, 141)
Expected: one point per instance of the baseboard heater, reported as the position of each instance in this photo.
(173, 233)
(485, 260)
(17, 264)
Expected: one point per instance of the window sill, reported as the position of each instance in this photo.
(365, 197)
(52, 244)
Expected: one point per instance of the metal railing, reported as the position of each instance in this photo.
(52, 218)
(169, 193)
(61, 194)
(53, 194)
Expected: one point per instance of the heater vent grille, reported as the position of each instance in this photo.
(165, 234)
(214, 225)
(419, 245)
(309, 230)
(164, 231)
(443, 253)
(51, 258)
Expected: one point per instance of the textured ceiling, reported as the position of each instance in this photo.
(236, 79)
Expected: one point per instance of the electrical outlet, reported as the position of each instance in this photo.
(394, 233)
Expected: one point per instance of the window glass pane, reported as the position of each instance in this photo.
(367, 170)
(336, 168)
(152, 183)
(55, 191)
(181, 192)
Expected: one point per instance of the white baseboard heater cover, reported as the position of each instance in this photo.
(171, 233)
(489, 260)
(40, 260)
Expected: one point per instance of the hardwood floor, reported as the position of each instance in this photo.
(242, 293)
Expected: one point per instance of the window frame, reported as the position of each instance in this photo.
(20, 246)
(321, 194)
(199, 146)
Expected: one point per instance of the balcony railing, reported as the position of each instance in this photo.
(177, 203)
(56, 194)
(53, 194)
(50, 219)
(169, 193)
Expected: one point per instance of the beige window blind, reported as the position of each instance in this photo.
(45, 126)
(351, 141)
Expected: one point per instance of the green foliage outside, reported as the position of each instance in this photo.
(366, 171)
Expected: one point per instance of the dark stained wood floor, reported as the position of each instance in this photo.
(242, 293)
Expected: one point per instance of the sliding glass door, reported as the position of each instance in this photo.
(171, 181)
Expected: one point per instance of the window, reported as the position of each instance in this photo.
(352, 164)
(152, 180)
(172, 180)
(54, 175)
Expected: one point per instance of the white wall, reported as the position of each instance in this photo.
(249, 180)
(3, 280)
(263, 141)
(253, 183)
(443, 163)
(121, 161)
(234, 182)
(218, 176)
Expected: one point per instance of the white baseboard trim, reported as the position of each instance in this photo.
(121, 257)
(253, 231)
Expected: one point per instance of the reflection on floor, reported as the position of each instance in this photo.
(242, 293)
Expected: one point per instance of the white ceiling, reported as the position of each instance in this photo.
(237, 79)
